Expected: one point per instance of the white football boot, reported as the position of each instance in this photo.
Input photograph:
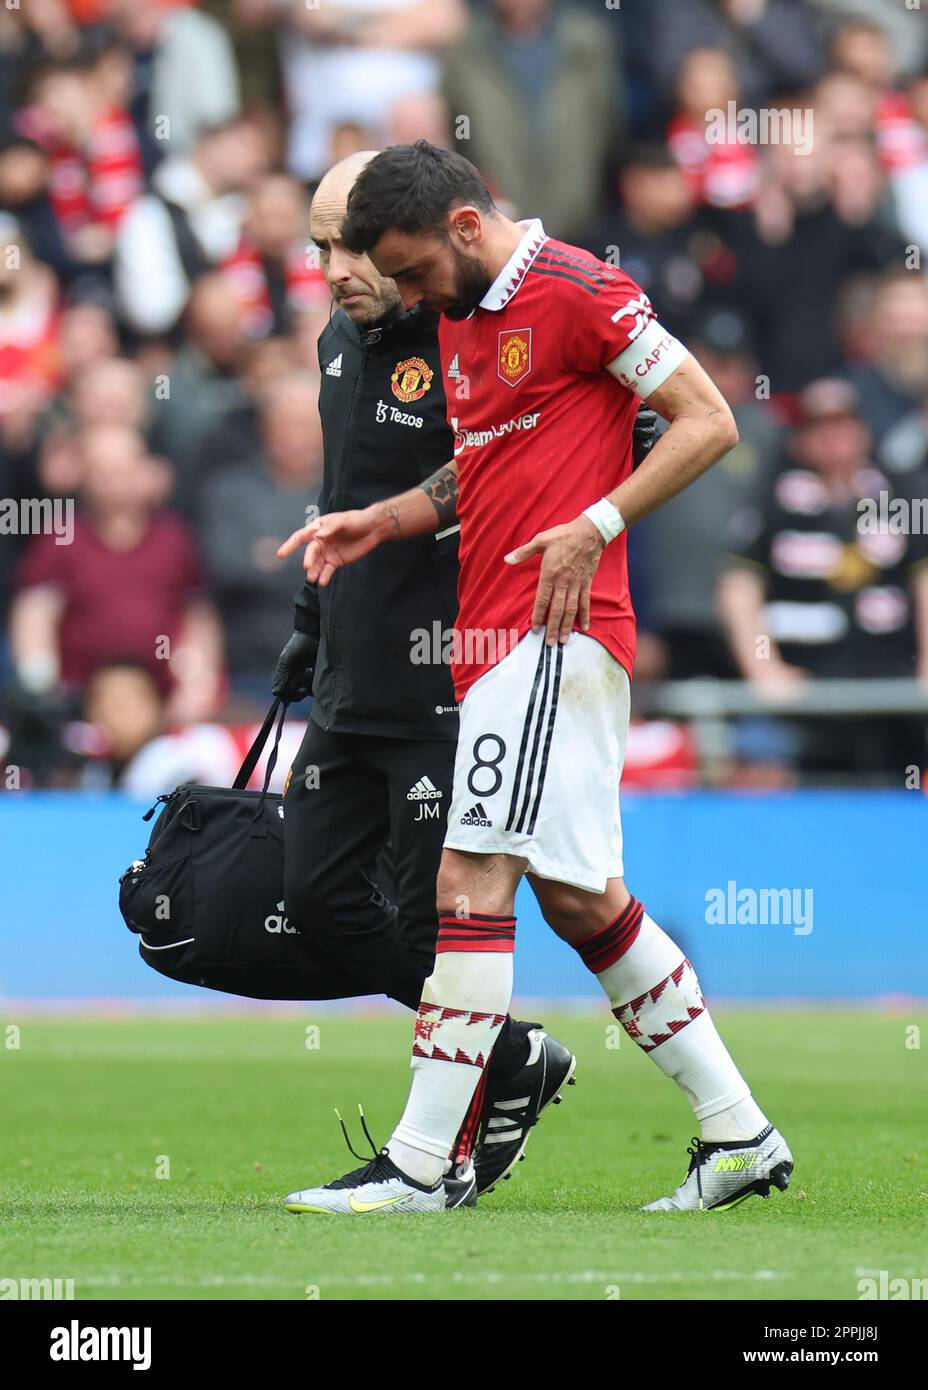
(722, 1175)
(380, 1188)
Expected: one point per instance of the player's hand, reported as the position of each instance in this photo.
(334, 540)
(569, 557)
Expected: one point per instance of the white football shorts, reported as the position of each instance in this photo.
(539, 759)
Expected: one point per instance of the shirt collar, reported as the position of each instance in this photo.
(513, 272)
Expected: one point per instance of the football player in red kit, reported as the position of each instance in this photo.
(547, 354)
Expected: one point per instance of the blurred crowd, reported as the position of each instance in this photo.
(160, 303)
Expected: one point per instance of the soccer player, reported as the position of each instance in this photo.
(377, 760)
(551, 350)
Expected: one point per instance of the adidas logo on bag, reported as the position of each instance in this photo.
(476, 816)
(334, 368)
(423, 790)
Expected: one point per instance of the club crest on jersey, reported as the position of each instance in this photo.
(515, 355)
(411, 379)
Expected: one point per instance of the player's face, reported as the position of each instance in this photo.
(433, 270)
(357, 286)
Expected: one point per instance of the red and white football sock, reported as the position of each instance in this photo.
(464, 1004)
(654, 993)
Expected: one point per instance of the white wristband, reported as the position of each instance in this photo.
(607, 519)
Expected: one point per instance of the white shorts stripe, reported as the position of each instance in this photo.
(539, 758)
(546, 707)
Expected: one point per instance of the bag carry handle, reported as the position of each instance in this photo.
(257, 748)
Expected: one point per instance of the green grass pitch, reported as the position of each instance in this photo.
(243, 1112)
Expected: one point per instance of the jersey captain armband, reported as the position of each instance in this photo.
(648, 361)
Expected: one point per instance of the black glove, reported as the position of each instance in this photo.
(644, 435)
(293, 675)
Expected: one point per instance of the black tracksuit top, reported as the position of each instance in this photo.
(382, 402)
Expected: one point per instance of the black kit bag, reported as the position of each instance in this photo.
(207, 899)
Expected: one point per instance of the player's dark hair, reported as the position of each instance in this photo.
(410, 188)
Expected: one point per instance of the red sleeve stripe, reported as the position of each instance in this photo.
(579, 266)
(462, 934)
(477, 921)
(562, 275)
(607, 945)
(471, 946)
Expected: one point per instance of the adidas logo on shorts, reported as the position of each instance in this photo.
(334, 368)
(477, 816)
(423, 790)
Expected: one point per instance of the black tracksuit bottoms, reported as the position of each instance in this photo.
(368, 916)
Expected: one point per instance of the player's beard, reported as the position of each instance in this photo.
(471, 283)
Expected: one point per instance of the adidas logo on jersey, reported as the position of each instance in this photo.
(334, 368)
(454, 368)
(278, 922)
(423, 790)
(477, 816)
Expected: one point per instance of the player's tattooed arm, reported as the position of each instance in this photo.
(341, 538)
(430, 507)
(441, 488)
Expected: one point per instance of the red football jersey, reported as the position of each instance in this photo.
(542, 431)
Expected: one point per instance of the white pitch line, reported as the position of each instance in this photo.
(586, 1276)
